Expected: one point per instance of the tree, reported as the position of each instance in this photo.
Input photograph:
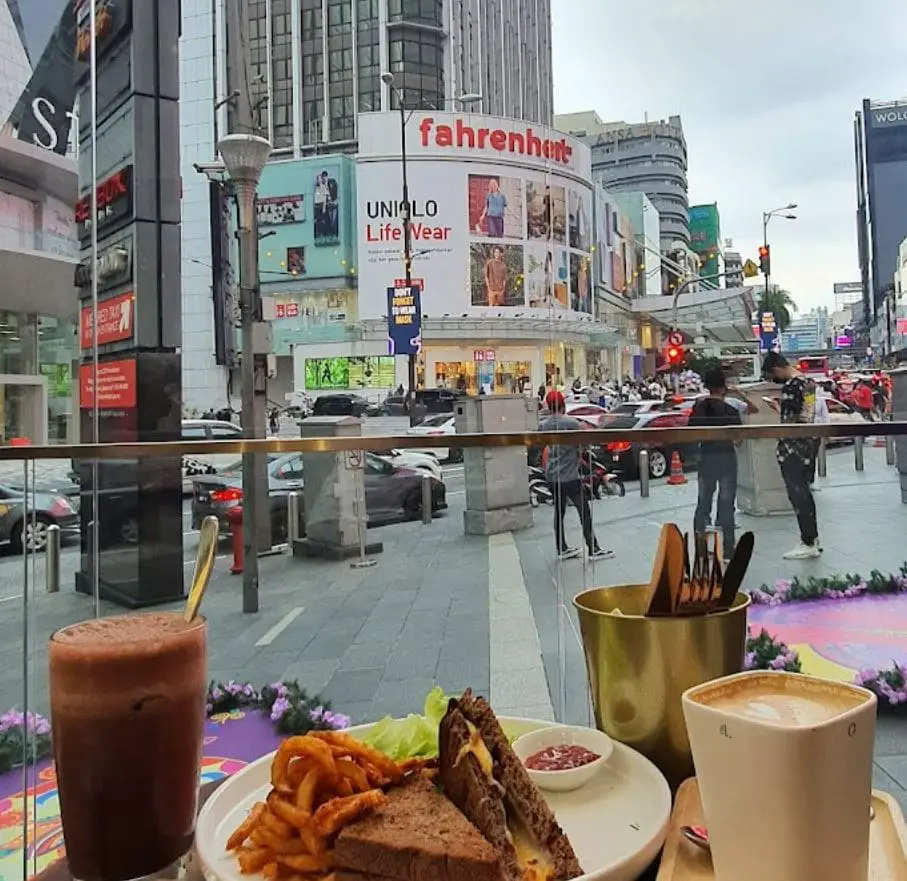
(779, 302)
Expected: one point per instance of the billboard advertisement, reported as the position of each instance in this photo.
(404, 320)
(501, 215)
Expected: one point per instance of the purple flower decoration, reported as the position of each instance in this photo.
(749, 662)
(278, 708)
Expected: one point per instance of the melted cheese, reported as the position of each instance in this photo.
(477, 747)
(531, 857)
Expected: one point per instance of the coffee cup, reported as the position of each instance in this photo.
(784, 765)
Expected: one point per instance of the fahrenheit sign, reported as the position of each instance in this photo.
(404, 321)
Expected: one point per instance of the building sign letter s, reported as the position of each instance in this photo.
(44, 112)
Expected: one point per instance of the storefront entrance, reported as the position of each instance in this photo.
(23, 409)
(488, 376)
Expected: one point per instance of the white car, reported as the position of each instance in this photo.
(436, 426)
(207, 463)
(419, 461)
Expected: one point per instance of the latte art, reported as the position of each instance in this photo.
(780, 708)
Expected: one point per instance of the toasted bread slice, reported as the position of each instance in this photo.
(416, 835)
(484, 778)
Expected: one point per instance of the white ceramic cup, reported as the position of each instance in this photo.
(784, 764)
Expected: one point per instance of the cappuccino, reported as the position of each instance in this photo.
(781, 700)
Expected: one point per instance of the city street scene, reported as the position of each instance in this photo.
(426, 454)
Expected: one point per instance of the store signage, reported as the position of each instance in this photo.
(116, 321)
(902, 326)
(525, 143)
(114, 197)
(896, 115)
(404, 321)
(483, 355)
(768, 332)
(114, 267)
(415, 282)
(842, 341)
(112, 17)
(286, 310)
(116, 385)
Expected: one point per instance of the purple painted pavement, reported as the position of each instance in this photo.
(856, 633)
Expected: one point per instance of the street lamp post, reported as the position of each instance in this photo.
(766, 217)
(244, 158)
(406, 206)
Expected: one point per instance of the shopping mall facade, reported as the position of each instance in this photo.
(525, 271)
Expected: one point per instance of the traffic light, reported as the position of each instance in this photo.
(765, 259)
(675, 356)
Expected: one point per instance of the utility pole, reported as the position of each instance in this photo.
(244, 162)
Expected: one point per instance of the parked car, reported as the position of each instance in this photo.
(420, 461)
(207, 463)
(391, 492)
(624, 456)
(438, 426)
(342, 404)
(27, 529)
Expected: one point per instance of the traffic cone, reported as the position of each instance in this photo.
(677, 477)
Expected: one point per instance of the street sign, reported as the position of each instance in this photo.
(750, 269)
(675, 338)
(354, 460)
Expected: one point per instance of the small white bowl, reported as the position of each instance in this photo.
(564, 735)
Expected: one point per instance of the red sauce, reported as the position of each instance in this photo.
(560, 758)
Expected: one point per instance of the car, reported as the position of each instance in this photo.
(25, 527)
(420, 461)
(623, 456)
(586, 409)
(207, 463)
(391, 492)
(343, 404)
(437, 426)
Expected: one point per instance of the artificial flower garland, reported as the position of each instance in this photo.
(835, 587)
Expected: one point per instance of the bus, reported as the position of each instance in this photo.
(815, 367)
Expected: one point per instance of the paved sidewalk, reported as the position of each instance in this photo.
(467, 610)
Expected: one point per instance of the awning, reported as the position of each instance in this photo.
(722, 315)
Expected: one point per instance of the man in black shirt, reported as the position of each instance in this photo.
(796, 455)
(717, 461)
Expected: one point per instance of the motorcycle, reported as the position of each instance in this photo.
(598, 481)
(539, 491)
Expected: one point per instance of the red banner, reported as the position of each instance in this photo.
(116, 385)
(116, 321)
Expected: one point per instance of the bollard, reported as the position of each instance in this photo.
(644, 474)
(858, 453)
(234, 518)
(821, 461)
(52, 561)
(426, 499)
(292, 518)
(889, 449)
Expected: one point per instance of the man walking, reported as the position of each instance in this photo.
(717, 461)
(563, 474)
(796, 455)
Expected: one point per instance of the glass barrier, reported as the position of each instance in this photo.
(392, 565)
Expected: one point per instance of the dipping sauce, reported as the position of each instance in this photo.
(562, 757)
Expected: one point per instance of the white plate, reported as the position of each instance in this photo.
(616, 823)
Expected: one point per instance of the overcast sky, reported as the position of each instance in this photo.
(767, 92)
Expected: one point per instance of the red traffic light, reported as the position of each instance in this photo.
(765, 259)
(674, 354)
(763, 251)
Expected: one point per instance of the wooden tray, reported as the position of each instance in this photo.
(683, 861)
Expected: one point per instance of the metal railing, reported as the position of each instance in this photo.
(385, 443)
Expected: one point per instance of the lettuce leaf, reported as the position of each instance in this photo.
(413, 736)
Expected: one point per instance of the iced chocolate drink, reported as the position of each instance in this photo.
(127, 699)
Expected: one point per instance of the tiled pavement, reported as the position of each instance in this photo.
(463, 610)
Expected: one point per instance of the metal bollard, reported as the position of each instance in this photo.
(889, 449)
(292, 518)
(426, 499)
(644, 474)
(52, 561)
(821, 461)
(858, 453)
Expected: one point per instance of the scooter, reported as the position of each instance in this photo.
(598, 480)
(539, 491)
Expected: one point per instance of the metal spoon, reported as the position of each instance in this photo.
(699, 835)
(204, 566)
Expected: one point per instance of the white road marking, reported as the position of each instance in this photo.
(18, 596)
(280, 626)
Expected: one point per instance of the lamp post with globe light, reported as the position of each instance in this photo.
(244, 157)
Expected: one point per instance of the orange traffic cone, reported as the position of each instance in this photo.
(677, 478)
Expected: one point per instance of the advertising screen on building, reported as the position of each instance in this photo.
(501, 215)
(325, 374)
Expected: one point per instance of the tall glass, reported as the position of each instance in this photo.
(127, 698)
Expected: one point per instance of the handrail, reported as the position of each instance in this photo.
(384, 443)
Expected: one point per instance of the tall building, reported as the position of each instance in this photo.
(705, 240)
(650, 157)
(733, 266)
(880, 143)
(316, 64)
(15, 67)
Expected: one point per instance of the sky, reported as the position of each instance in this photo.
(39, 17)
(767, 92)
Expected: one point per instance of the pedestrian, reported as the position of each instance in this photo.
(717, 461)
(795, 455)
(562, 469)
